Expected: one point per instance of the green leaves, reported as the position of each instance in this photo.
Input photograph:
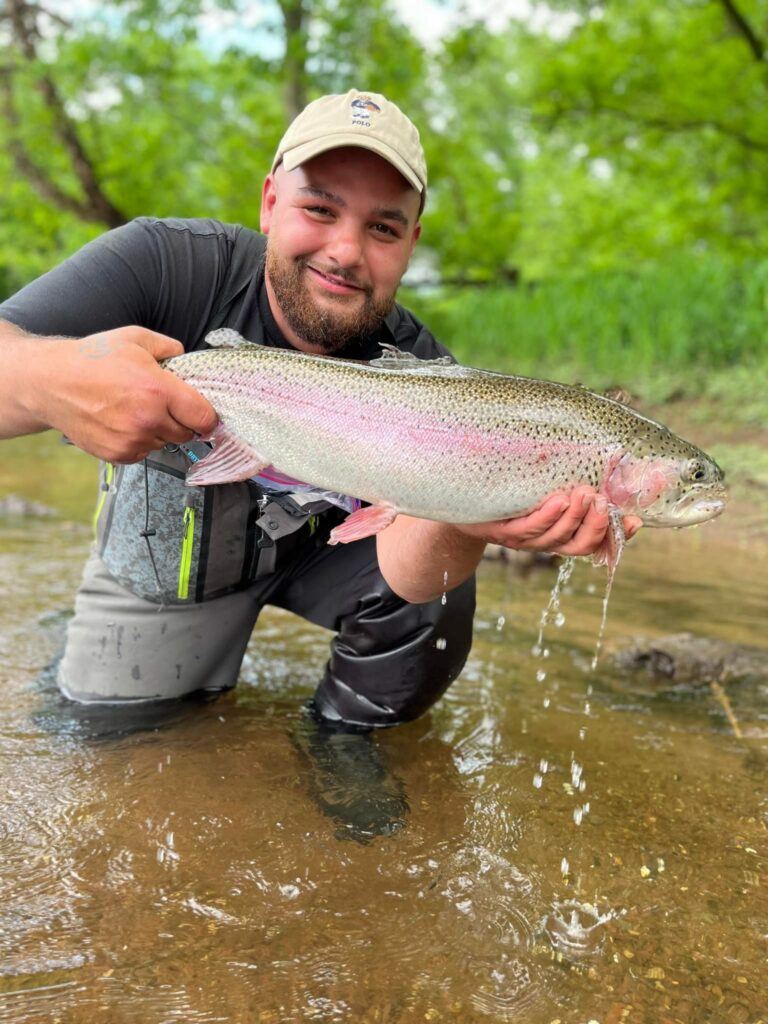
(622, 135)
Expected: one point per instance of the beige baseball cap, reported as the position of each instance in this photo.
(365, 119)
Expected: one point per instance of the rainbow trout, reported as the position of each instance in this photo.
(436, 440)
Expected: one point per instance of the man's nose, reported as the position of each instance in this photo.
(346, 246)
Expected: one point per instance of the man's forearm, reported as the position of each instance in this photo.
(18, 352)
(421, 559)
(106, 391)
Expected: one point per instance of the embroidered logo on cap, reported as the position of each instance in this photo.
(362, 108)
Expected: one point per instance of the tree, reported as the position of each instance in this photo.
(653, 133)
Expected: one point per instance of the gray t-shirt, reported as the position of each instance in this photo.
(182, 278)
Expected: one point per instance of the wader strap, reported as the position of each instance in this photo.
(282, 515)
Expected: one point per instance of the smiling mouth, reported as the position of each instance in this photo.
(336, 281)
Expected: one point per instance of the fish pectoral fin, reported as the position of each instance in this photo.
(226, 337)
(231, 460)
(610, 550)
(363, 523)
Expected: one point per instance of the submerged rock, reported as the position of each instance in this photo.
(521, 562)
(685, 658)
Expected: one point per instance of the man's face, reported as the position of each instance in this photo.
(341, 230)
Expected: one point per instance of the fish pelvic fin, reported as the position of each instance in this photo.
(231, 460)
(364, 523)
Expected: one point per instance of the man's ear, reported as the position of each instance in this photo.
(268, 200)
(416, 236)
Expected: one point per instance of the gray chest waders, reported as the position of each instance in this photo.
(173, 544)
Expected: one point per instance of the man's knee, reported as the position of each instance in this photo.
(121, 648)
(393, 660)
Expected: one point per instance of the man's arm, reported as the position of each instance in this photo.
(421, 559)
(105, 392)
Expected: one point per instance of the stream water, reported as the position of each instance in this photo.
(580, 846)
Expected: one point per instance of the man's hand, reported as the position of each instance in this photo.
(575, 524)
(105, 392)
(421, 559)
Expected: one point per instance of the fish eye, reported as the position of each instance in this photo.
(696, 471)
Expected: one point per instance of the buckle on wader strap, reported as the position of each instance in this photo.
(281, 515)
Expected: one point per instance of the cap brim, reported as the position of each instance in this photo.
(299, 155)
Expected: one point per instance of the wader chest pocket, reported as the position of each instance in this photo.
(169, 543)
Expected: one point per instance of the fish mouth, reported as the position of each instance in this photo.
(693, 509)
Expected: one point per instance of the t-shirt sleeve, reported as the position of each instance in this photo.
(159, 274)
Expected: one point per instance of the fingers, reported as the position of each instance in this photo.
(590, 535)
(189, 410)
(159, 346)
(567, 525)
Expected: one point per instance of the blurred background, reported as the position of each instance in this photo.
(598, 201)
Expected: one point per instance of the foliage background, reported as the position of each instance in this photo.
(598, 203)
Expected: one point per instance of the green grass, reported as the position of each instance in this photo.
(42, 468)
(661, 332)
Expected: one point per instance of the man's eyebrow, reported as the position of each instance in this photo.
(381, 213)
(385, 213)
(322, 193)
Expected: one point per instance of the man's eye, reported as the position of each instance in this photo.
(322, 211)
(384, 229)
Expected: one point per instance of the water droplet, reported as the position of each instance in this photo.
(441, 643)
(544, 765)
(565, 867)
(444, 599)
(577, 815)
(545, 653)
(546, 702)
(537, 780)
(536, 651)
(575, 929)
(559, 620)
(541, 675)
(553, 607)
(500, 622)
(617, 531)
(582, 734)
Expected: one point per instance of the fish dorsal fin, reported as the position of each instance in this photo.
(226, 337)
(618, 394)
(393, 358)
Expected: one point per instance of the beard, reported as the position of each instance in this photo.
(327, 329)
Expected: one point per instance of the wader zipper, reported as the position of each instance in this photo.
(109, 471)
(186, 553)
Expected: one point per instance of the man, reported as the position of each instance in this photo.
(170, 597)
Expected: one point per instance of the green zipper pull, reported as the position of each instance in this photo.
(185, 566)
(106, 483)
